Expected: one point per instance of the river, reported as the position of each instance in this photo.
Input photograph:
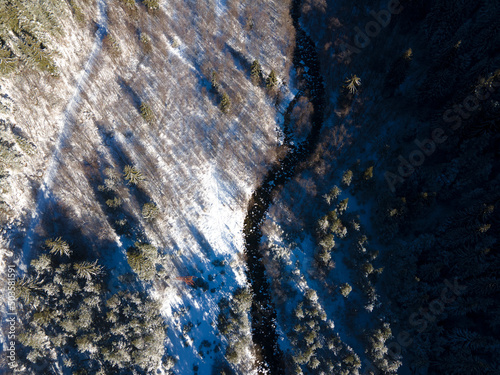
(263, 313)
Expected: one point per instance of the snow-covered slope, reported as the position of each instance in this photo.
(200, 165)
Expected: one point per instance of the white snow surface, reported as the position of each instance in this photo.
(200, 166)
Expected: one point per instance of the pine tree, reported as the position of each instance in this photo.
(214, 80)
(129, 4)
(142, 259)
(347, 178)
(132, 175)
(147, 113)
(150, 211)
(225, 103)
(256, 72)
(271, 81)
(151, 4)
(345, 289)
(58, 246)
(368, 174)
(87, 270)
(26, 288)
(146, 43)
(353, 84)
(114, 203)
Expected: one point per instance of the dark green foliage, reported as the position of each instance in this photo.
(368, 173)
(112, 180)
(271, 80)
(332, 195)
(345, 289)
(87, 270)
(132, 175)
(150, 211)
(8, 61)
(225, 103)
(58, 246)
(142, 258)
(77, 11)
(114, 203)
(111, 44)
(233, 323)
(256, 73)
(214, 80)
(129, 4)
(65, 312)
(24, 26)
(151, 5)
(347, 178)
(147, 113)
(147, 45)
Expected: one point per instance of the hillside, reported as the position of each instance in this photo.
(249, 187)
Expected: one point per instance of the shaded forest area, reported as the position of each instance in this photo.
(424, 116)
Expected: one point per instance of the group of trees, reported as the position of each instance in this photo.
(222, 96)
(142, 257)
(316, 347)
(27, 29)
(233, 322)
(257, 76)
(436, 222)
(13, 148)
(70, 317)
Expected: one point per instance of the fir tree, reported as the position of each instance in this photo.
(225, 103)
(150, 211)
(271, 81)
(147, 113)
(256, 72)
(58, 246)
(352, 84)
(132, 175)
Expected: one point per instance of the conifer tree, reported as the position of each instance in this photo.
(132, 175)
(352, 84)
(256, 72)
(225, 103)
(271, 81)
(58, 246)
